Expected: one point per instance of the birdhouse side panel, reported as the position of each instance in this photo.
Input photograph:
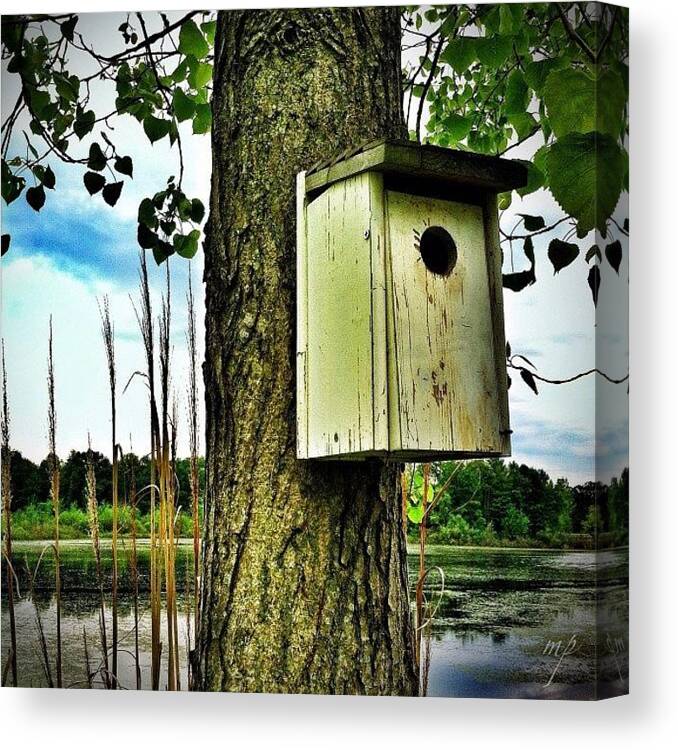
(339, 353)
(443, 348)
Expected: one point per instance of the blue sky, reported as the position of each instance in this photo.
(77, 249)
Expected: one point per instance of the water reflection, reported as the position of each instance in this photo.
(511, 623)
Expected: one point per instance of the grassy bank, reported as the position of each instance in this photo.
(36, 522)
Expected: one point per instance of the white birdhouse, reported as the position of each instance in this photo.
(400, 324)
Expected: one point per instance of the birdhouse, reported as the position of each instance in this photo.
(400, 324)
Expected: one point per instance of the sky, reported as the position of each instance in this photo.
(77, 249)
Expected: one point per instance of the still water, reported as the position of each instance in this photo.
(510, 623)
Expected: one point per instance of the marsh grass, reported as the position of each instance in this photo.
(54, 476)
(108, 336)
(6, 485)
(164, 523)
(93, 519)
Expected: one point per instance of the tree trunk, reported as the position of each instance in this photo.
(305, 571)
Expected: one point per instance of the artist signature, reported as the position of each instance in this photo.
(615, 646)
(556, 649)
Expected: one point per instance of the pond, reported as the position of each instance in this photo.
(511, 623)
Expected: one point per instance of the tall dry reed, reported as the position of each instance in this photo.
(54, 476)
(108, 336)
(93, 523)
(6, 485)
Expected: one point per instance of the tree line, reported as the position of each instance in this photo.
(30, 482)
(489, 501)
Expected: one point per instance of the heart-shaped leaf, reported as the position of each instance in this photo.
(93, 182)
(111, 192)
(613, 253)
(155, 128)
(123, 164)
(146, 238)
(35, 197)
(96, 159)
(84, 122)
(162, 251)
(561, 254)
(197, 211)
(533, 223)
(187, 245)
(48, 178)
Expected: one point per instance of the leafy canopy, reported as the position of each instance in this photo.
(487, 79)
(159, 78)
(551, 76)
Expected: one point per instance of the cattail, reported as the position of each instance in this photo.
(134, 567)
(6, 483)
(93, 523)
(108, 335)
(54, 471)
(144, 317)
(194, 446)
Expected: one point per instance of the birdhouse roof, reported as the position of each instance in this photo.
(433, 164)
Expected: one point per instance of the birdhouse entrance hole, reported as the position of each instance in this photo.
(438, 251)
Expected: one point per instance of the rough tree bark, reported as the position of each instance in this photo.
(305, 580)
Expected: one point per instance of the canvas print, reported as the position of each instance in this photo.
(314, 350)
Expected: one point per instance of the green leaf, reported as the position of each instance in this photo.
(124, 165)
(202, 122)
(146, 238)
(561, 254)
(6, 239)
(162, 251)
(35, 197)
(192, 41)
(200, 74)
(155, 128)
(415, 513)
(197, 211)
(96, 159)
(38, 100)
(535, 178)
(459, 53)
(209, 29)
(537, 72)
(613, 253)
(533, 223)
(146, 214)
(457, 126)
(576, 102)
(67, 87)
(493, 51)
(186, 245)
(517, 94)
(184, 108)
(84, 122)
(585, 174)
(111, 192)
(93, 182)
(48, 178)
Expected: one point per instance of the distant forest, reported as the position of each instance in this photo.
(494, 502)
(30, 481)
(486, 502)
